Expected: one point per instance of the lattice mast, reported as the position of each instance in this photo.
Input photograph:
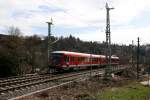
(49, 37)
(108, 35)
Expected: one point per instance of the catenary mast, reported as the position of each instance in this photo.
(49, 36)
(108, 35)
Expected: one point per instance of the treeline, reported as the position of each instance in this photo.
(20, 55)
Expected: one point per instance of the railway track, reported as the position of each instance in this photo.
(15, 87)
(15, 78)
(19, 86)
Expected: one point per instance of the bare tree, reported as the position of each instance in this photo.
(14, 31)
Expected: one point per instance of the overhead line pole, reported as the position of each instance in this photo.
(108, 36)
(138, 51)
(132, 54)
(49, 36)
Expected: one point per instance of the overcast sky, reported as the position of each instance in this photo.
(85, 19)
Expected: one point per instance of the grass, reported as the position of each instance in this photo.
(134, 91)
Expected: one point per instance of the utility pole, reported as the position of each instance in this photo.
(138, 51)
(49, 40)
(108, 37)
(132, 54)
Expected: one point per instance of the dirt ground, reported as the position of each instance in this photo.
(84, 90)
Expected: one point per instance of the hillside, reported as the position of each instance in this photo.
(21, 55)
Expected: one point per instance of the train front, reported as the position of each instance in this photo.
(56, 60)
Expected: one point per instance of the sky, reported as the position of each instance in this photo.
(85, 19)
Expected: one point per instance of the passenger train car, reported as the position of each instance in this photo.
(62, 60)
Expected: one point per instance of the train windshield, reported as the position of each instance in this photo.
(55, 58)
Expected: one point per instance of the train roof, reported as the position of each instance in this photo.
(84, 54)
(114, 57)
(79, 54)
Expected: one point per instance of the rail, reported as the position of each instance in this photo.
(20, 86)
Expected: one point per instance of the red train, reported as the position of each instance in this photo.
(62, 60)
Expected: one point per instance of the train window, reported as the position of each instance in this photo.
(66, 59)
(72, 59)
(83, 59)
(86, 59)
(55, 58)
(95, 59)
(79, 59)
